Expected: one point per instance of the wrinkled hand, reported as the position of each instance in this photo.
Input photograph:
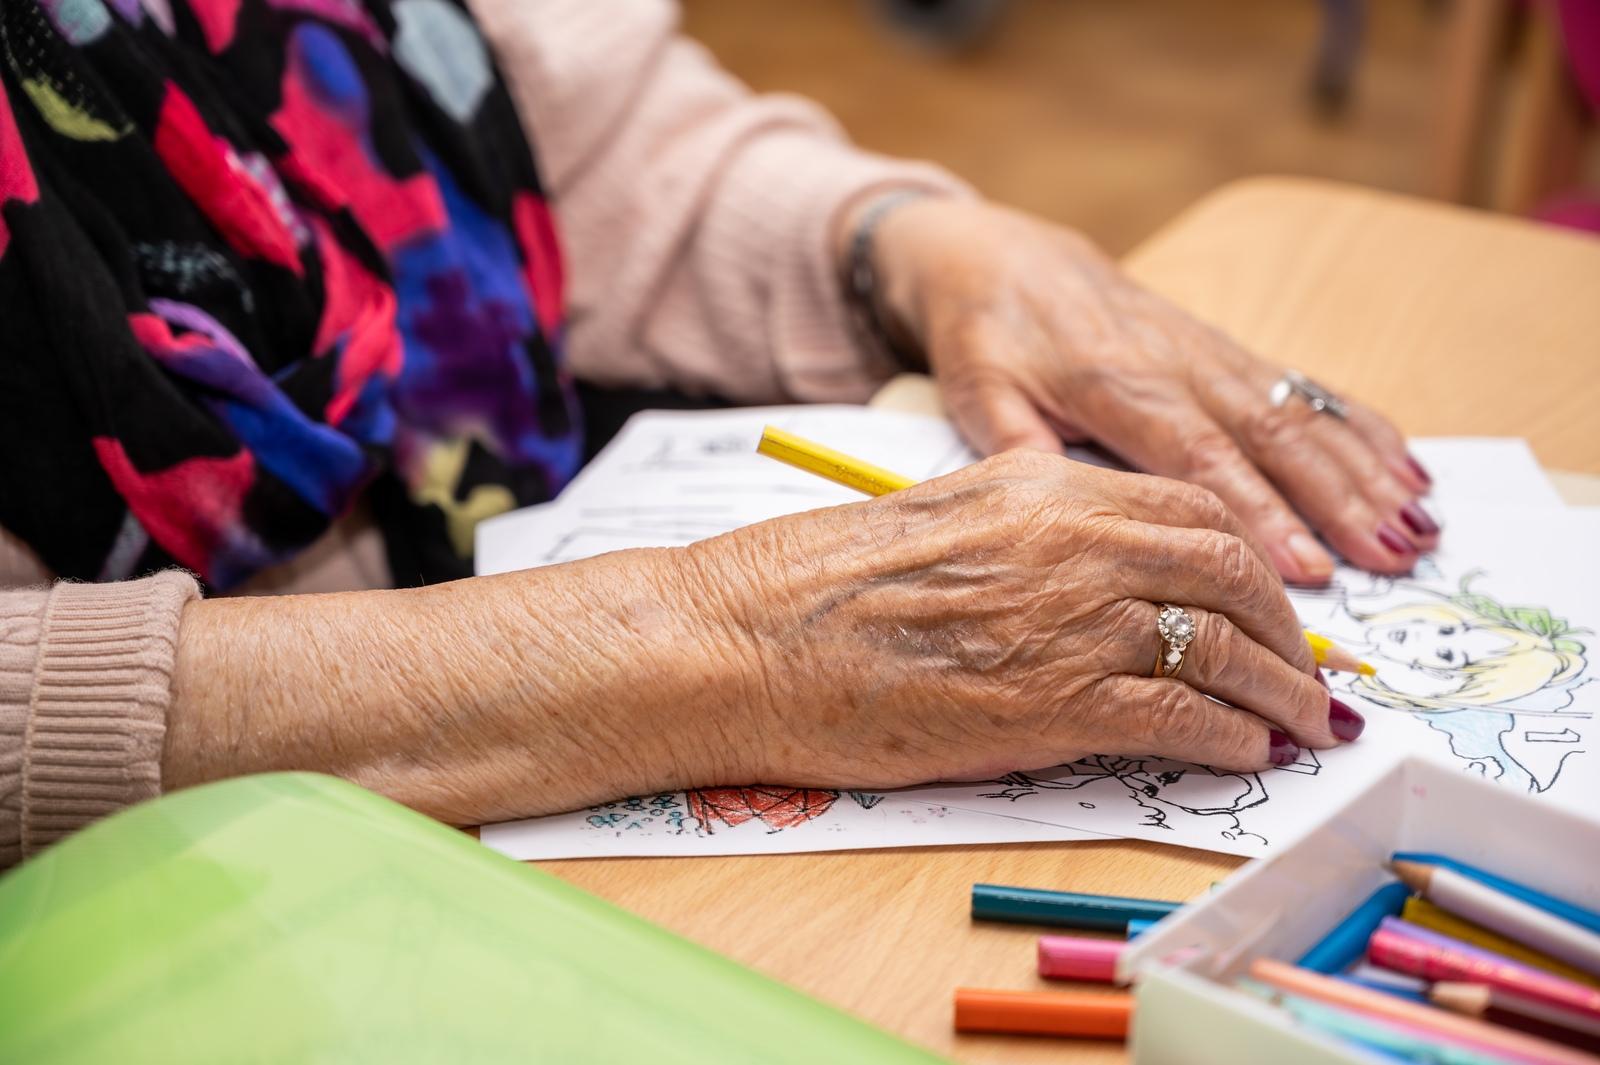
(1036, 338)
(1003, 618)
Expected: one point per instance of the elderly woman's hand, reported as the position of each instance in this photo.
(999, 618)
(1036, 337)
(1004, 618)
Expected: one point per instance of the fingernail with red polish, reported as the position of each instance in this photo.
(1344, 722)
(1416, 468)
(1418, 520)
(1390, 537)
(1281, 749)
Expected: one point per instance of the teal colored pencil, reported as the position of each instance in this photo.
(1064, 909)
(1394, 1038)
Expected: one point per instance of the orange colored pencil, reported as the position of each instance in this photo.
(1044, 1013)
(1304, 982)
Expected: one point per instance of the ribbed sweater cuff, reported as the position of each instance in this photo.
(97, 716)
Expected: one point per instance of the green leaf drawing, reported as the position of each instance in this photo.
(1536, 620)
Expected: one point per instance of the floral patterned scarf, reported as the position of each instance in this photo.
(258, 257)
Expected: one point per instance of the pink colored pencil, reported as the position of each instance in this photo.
(1079, 958)
(1394, 949)
(1504, 1041)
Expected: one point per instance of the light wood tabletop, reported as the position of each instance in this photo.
(1455, 323)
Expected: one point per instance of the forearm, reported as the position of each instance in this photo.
(480, 700)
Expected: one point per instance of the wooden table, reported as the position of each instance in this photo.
(1453, 321)
(1456, 322)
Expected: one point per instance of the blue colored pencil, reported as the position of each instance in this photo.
(1384, 986)
(1063, 909)
(1138, 927)
(1347, 941)
(1532, 896)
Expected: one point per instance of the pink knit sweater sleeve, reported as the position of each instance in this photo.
(85, 681)
(696, 217)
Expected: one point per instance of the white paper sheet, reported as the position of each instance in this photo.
(765, 820)
(1485, 655)
(674, 477)
(1470, 471)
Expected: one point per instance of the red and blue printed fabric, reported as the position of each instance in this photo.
(259, 260)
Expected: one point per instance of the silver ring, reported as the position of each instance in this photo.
(1176, 626)
(1319, 399)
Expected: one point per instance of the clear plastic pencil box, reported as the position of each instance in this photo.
(1188, 1014)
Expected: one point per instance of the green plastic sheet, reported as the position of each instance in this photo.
(293, 917)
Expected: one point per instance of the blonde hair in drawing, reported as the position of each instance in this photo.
(1537, 652)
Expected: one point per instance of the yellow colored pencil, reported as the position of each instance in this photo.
(1429, 915)
(836, 466)
(852, 472)
(1333, 656)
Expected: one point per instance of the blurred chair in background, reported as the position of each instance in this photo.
(1520, 148)
(1580, 32)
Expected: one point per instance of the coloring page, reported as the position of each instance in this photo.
(1482, 654)
(673, 477)
(764, 820)
(1484, 657)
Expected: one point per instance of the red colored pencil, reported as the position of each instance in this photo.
(1431, 961)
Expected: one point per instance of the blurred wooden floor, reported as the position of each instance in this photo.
(1110, 115)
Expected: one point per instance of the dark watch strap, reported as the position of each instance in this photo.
(861, 283)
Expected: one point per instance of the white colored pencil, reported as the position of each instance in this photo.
(1499, 912)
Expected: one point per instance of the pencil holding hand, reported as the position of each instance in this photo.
(872, 480)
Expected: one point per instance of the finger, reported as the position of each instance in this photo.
(1390, 496)
(1390, 446)
(1322, 439)
(1190, 445)
(1224, 663)
(1216, 572)
(1389, 484)
(994, 415)
(1164, 501)
(1169, 719)
(1278, 441)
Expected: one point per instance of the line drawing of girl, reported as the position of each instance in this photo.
(1499, 681)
